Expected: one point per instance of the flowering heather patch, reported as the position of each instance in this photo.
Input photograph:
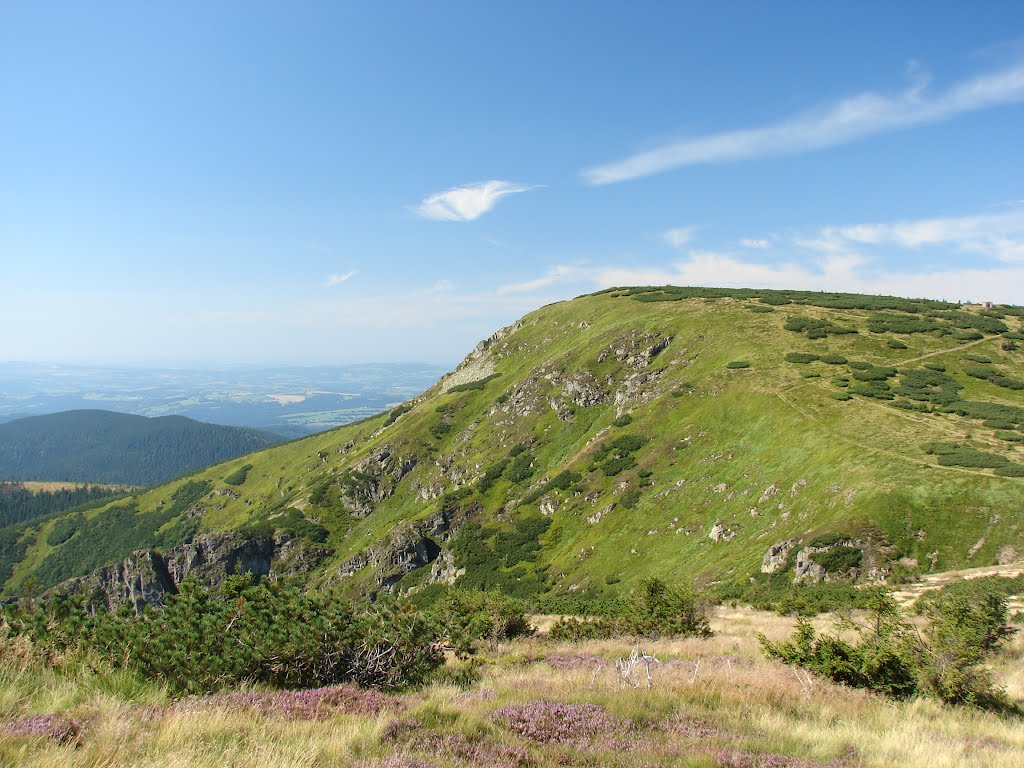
(59, 729)
(737, 759)
(574, 661)
(402, 760)
(455, 746)
(552, 722)
(311, 704)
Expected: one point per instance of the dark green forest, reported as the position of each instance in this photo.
(120, 448)
(20, 505)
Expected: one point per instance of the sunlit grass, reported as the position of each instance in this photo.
(711, 701)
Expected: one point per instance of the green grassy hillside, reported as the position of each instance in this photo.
(636, 432)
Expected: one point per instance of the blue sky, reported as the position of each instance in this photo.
(325, 182)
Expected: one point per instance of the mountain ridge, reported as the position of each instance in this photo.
(684, 433)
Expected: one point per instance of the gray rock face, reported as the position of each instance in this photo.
(408, 548)
(583, 390)
(635, 389)
(775, 557)
(443, 570)
(295, 557)
(637, 350)
(720, 533)
(374, 479)
(478, 364)
(524, 400)
(148, 577)
(808, 570)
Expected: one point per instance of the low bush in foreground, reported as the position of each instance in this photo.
(777, 592)
(655, 610)
(241, 633)
(945, 661)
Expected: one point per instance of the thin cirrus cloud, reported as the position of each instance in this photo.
(836, 272)
(337, 279)
(853, 118)
(853, 258)
(995, 235)
(467, 202)
(679, 236)
(554, 275)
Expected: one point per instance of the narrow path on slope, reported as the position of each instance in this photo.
(908, 593)
(949, 429)
(871, 448)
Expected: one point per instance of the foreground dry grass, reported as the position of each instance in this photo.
(712, 702)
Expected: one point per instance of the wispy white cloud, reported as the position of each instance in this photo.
(557, 274)
(467, 202)
(849, 273)
(853, 258)
(333, 280)
(712, 268)
(853, 118)
(996, 235)
(443, 286)
(679, 236)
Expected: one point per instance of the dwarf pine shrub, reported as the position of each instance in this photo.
(270, 633)
(239, 475)
(946, 661)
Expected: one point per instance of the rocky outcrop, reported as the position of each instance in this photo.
(720, 533)
(524, 399)
(409, 547)
(637, 350)
(776, 556)
(296, 557)
(443, 569)
(149, 577)
(373, 479)
(634, 390)
(583, 389)
(808, 568)
(478, 364)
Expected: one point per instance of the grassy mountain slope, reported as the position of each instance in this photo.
(107, 447)
(639, 432)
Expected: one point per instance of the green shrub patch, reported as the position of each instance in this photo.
(874, 373)
(928, 385)
(884, 322)
(814, 328)
(474, 386)
(956, 455)
(239, 475)
(993, 375)
(802, 357)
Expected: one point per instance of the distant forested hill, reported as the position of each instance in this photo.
(107, 447)
(19, 503)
